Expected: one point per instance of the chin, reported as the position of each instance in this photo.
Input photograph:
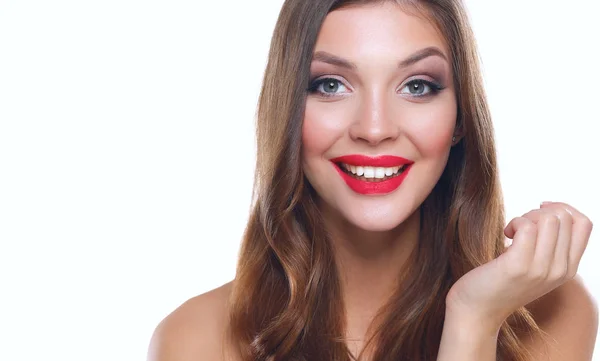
(376, 225)
(378, 219)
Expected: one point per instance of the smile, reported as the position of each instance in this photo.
(372, 175)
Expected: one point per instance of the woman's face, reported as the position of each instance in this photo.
(380, 114)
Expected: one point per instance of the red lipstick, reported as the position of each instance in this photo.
(378, 187)
(380, 161)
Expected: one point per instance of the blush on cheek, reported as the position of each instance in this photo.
(432, 132)
(310, 137)
(434, 142)
(320, 129)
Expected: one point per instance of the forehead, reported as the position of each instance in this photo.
(382, 28)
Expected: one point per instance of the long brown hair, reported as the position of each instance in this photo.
(286, 301)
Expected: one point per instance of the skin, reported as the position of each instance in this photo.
(546, 250)
(372, 112)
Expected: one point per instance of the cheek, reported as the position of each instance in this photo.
(313, 137)
(321, 127)
(432, 131)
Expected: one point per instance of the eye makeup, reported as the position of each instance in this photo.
(431, 66)
(320, 87)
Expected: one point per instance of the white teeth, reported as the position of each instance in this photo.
(371, 172)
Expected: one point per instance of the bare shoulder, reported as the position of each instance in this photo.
(569, 316)
(195, 330)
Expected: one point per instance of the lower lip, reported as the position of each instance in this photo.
(364, 187)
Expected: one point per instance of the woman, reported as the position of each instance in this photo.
(378, 230)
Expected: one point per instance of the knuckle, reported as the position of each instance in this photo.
(586, 222)
(550, 219)
(559, 273)
(571, 273)
(529, 227)
(572, 268)
(564, 215)
(539, 274)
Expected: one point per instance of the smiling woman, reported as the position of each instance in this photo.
(393, 97)
(377, 230)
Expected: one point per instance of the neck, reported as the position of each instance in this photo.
(369, 264)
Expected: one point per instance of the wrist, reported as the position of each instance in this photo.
(490, 318)
(468, 324)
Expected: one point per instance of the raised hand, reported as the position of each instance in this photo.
(547, 246)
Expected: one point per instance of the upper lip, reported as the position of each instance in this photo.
(372, 161)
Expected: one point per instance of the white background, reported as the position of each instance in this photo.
(126, 152)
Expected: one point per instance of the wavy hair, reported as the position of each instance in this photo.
(286, 300)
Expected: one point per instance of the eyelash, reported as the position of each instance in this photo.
(435, 88)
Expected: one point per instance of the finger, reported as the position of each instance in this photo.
(533, 215)
(523, 232)
(510, 233)
(548, 226)
(580, 234)
(576, 214)
(562, 264)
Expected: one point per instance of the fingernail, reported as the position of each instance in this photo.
(545, 202)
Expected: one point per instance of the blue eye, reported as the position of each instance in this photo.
(327, 87)
(422, 88)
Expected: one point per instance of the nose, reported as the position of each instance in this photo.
(375, 121)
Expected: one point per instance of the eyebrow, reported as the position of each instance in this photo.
(329, 58)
